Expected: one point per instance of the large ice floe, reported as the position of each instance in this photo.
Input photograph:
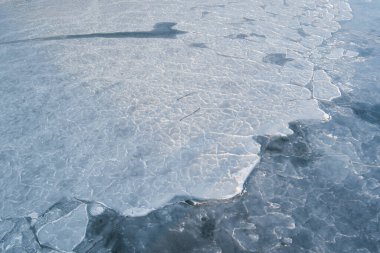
(133, 103)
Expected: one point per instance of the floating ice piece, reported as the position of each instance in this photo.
(323, 88)
(351, 54)
(96, 209)
(247, 238)
(17, 236)
(336, 53)
(67, 232)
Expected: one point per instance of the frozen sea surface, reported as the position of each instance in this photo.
(316, 190)
(114, 109)
(117, 101)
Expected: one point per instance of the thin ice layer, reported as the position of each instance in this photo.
(133, 122)
(323, 88)
(65, 233)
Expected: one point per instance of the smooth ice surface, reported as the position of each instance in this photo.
(133, 121)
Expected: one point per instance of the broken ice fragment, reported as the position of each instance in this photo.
(67, 232)
(323, 88)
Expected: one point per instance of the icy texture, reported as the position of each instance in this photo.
(67, 232)
(17, 237)
(317, 190)
(323, 88)
(133, 121)
(60, 229)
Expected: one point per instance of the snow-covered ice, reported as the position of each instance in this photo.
(134, 121)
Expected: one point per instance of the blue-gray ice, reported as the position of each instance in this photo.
(132, 121)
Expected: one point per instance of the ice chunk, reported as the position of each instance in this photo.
(246, 236)
(351, 54)
(323, 88)
(336, 53)
(17, 236)
(65, 233)
(96, 209)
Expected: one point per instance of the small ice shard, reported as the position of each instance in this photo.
(96, 209)
(336, 53)
(286, 241)
(323, 88)
(33, 218)
(351, 54)
(194, 202)
(246, 237)
(67, 232)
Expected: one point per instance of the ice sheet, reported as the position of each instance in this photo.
(132, 122)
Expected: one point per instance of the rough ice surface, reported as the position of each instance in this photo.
(315, 190)
(111, 101)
